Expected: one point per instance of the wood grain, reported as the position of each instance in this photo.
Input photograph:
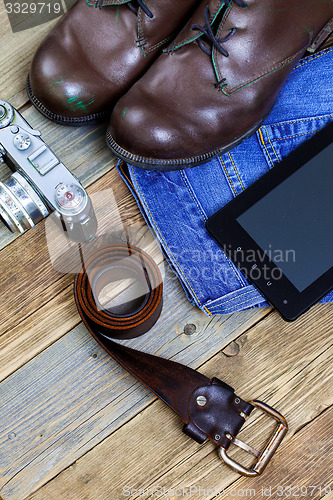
(17, 50)
(304, 465)
(291, 372)
(308, 470)
(28, 255)
(35, 307)
(73, 424)
(72, 396)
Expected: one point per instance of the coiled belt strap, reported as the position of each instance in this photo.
(209, 408)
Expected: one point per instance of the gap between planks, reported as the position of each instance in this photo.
(21, 387)
(40, 289)
(293, 375)
(308, 450)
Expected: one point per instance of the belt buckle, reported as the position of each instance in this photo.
(263, 457)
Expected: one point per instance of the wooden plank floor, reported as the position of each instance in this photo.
(74, 425)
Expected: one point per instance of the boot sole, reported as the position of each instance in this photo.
(65, 120)
(179, 163)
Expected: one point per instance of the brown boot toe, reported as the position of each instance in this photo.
(94, 55)
(141, 127)
(63, 95)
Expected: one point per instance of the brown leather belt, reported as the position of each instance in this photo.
(209, 408)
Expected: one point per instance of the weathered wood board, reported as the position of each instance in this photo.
(291, 372)
(71, 396)
(74, 425)
(16, 53)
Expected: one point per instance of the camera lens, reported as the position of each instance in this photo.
(20, 206)
(2, 112)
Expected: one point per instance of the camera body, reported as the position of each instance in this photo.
(40, 183)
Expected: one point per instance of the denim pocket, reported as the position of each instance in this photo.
(279, 139)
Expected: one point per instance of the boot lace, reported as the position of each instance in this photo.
(207, 30)
(139, 4)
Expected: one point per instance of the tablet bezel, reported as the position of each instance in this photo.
(228, 232)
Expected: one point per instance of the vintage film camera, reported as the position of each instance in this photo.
(40, 183)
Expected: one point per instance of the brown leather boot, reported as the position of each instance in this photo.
(94, 55)
(216, 83)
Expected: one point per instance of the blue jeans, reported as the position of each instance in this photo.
(177, 204)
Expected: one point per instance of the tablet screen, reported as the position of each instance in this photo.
(293, 224)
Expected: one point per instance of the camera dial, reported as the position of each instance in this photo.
(6, 114)
(22, 142)
(70, 198)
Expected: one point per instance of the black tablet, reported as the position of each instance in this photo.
(279, 231)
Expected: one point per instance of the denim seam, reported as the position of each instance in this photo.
(127, 178)
(323, 53)
(159, 232)
(234, 190)
(248, 292)
(193, 196)
(235, 305)
(276, 156)
(264, 144)
(298, 135)
(301, 120)
(239, 278)
(237, 274)
(232, 161)
(230, 182)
